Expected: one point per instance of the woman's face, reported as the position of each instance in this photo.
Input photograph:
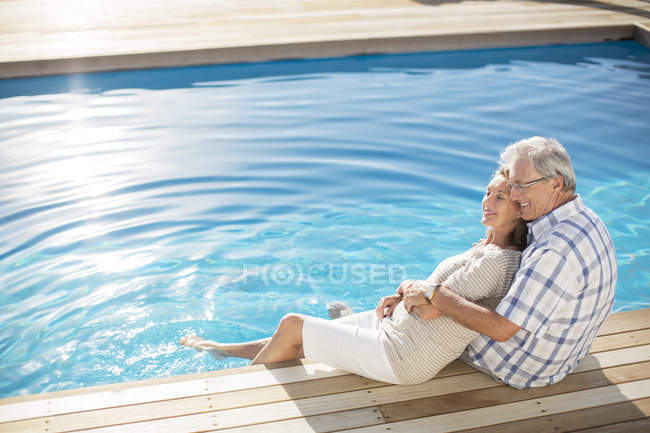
(499, 212)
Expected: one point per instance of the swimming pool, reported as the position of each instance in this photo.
(140, 206)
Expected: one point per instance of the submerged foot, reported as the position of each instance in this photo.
(199, 344)
(338, 309)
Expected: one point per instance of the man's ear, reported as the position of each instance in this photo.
(557, 182)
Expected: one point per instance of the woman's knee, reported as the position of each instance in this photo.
(291, 324)
(292, 321)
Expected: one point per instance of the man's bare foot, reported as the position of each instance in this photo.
(199, 344)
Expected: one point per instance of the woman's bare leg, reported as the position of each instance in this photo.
(286, 343)
(247, 350)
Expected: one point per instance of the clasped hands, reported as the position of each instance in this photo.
(412, 293)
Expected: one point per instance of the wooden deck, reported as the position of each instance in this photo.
(39, 37)
(608, 392)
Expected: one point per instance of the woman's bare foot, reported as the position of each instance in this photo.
(199, 344)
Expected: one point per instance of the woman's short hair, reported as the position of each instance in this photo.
(546, 155)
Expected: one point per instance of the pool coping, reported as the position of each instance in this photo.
(521, 37)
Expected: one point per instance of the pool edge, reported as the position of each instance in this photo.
(556, 35)
(642, 34)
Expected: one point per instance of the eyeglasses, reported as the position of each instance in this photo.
(522, 187)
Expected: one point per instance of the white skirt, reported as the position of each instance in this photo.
(352, 343)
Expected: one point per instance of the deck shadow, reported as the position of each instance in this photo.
(596, 397)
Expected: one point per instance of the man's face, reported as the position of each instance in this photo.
(535, 200)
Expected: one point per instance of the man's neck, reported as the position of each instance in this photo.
(560, 200)
(565, 198)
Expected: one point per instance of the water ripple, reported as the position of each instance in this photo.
(217, 199)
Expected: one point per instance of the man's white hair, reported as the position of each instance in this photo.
(546, 155)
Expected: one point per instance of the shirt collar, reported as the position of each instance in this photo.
(537, 228)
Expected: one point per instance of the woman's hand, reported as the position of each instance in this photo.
(387, 305)
(413, 293)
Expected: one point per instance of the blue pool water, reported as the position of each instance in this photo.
(140, 206)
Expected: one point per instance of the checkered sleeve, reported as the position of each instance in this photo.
(479, 278)
(536, 291)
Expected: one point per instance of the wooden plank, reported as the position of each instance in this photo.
(121, 15)
(298, 424)
(642, 33)
(457, 401)
(326, 16)
(207, 390)
(519, 410)
(207, 412)
(195, 405)
(627, 409)
(616, 323)
(613, 357)
(638, 426)
(497, 37)
(211, 402)
(188, 37)
(227, 400)
(171, 34)
(319, 423)
(323, 416)
(158, 381)
(574, 420)
(626, 339)
(626, 321)
(166, 391)
(339, 402)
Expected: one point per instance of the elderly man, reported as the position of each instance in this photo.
(563, 289)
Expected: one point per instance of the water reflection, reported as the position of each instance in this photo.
(215, 200)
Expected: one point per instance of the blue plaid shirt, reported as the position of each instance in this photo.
(560, 296)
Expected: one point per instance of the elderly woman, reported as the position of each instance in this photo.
(398, 343)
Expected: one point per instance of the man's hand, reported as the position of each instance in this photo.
(387, 304)
(470, 315)
(426, 312)
(413, 292)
